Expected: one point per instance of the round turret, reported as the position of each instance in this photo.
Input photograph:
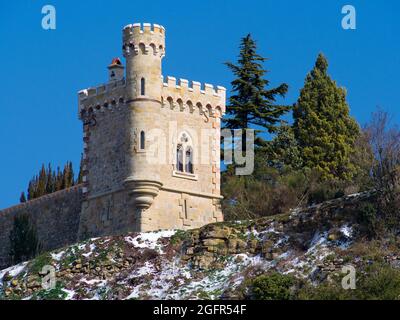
(143, 48)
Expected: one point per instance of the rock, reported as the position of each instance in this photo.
(8, 292)
(203, 261)
(14, 283)
(214, 242)
(78, 266)
(190, 251)
(217, 231)
(33, 283)
(232, 245)
(252, 245)
(274, 255)
(266, 247)
(332, 237)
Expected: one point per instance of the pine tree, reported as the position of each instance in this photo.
(68, 175)
(49, 180)
(22, 198)
(251, 104)
(323, 127)
(59, 180)
(41, 186)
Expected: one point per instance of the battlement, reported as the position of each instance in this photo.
(138, 39)
(101, 97)
(43, 199)
(193, 95)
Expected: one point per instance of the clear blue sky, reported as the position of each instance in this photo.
(41, 71)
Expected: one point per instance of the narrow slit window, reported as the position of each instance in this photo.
(142, 86)
(179, 159)
(142, 140)
(189, 161)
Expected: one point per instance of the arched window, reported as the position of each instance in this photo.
(179, 158)
(189, 160)
(142, 86)
(142, 140)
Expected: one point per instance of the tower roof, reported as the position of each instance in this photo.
(116, 62)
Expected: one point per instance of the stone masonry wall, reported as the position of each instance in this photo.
(56, 217)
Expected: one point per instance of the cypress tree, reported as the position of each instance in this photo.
(252, 105)
(41, 186)
(24, 240)
(22, 198)
(59, 180)
(323, 127)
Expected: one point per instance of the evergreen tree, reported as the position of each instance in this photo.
(284, 151)
(22, 198)
(24, 240)
(49, 180)
(41, 186)
(323, 127)
(59, 180)
(251, 104)
(68, 176)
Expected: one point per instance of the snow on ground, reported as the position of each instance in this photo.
(13, 271)
(92, 247)
(347, 231)
(150, 239)
(57, 256)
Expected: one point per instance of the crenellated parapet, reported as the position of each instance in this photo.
(193, 96)
(101, 98)
(146, 39)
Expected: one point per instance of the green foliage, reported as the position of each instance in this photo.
(367, 218)
(24, 240)
(284, 152)
(378, 281)
(242, 198)
(381, 282)
(179, 236)
(251, 104)
(53, 294)
(274, 286)
(323, 292)
(37, 264)
(22, 198)
(320, 190)
(325, 131)
(49, 181)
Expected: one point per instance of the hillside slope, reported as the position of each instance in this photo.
(214, 262)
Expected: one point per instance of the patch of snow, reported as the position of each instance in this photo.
(150, 239)
(281, 241)
(70, 294)
(96, 282)
(347, 231)
(57, 256)
(92, 248)
(14, 270)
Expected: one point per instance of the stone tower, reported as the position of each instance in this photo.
(151, 144)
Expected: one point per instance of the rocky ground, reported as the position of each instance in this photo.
(214, 262)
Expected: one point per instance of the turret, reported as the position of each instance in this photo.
(143, 48)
